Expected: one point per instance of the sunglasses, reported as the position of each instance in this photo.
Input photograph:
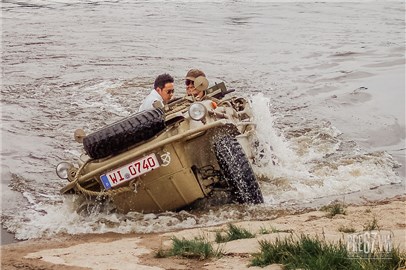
(187, 82)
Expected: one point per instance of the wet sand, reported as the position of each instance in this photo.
(136, 251)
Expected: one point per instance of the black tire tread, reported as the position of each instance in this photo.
(237, 171)
(124, 133)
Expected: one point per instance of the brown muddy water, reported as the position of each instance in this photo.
(326, 81)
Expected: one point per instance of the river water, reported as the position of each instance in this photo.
(326, 81)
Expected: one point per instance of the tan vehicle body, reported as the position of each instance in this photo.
(189, 169)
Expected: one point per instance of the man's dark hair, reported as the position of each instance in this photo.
(162, 79)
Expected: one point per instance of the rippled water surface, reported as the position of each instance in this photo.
(326, 82)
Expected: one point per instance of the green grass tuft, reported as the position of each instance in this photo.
(233, 233)
(264, 230)
(316, 254)
(373, 225)
(196, 249)
(334, 209)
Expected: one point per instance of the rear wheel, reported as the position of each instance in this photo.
(237, 171)
(86, 206)
(125, 133)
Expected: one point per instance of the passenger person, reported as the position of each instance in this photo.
(190, 88)
(163, 91)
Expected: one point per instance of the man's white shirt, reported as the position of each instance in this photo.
(149, 100)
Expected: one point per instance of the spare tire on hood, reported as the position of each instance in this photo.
(122, 134)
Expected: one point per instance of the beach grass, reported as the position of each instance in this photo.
(265, 230)
(310, 253)
(334, 209)
(372, 225)
(233, 233)
(198, 248)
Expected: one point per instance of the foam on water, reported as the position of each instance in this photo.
(273, 140)
(100, 97)
(312, 162)
(303, 161)
(289, 174)
(63, 61)
(48, 220)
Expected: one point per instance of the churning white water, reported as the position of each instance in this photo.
(325, 80)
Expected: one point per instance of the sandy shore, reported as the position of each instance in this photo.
(136, 251)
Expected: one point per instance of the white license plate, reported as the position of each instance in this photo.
(129, 171)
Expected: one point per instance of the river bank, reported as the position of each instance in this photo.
(137, 251)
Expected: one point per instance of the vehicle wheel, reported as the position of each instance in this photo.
(87, 208)
(237, 171)
(124, 133)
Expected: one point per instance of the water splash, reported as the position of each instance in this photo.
(312, 160)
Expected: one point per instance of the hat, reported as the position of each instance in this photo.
(194, 73)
